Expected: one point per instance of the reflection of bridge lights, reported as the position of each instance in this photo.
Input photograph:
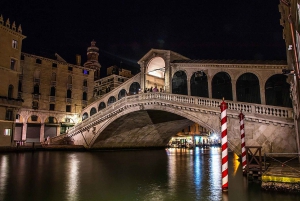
(72, 182)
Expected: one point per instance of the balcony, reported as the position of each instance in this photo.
(10, 102)
(84, 88)
(36, 97)
(51, 99)
(69, 100)
(69, 86)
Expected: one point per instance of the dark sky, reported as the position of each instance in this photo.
(125, 30)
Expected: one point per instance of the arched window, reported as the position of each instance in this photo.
(134, 88)
(179, 83)
(101, 106)
(247, 88)
(277, 91)
(84, 96)
(36, 89)
(221, 86)
(85, 83)
(52, 91)
(199, 84)
(10, 91)
(122, 94)
(93, 111)
(111, 100)
(85, 116)
(69, 93)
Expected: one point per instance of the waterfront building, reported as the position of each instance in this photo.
(115, 77)
(11, 38)
(54, 93)
(290, 18)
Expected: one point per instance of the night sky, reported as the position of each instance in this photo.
(125, 30)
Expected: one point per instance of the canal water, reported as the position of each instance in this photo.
(170, 174)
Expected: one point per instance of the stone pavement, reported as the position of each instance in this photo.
(282, 175)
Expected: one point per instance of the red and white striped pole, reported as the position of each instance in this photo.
(223, 107)
(244, 162)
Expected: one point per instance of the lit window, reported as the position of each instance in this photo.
(7, 132)
(15, 44)
(85, 72)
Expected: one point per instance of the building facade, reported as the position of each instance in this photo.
(115, 77)
(290, 19)
(54, 93)
(10, 50)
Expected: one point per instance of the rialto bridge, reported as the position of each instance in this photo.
(135, 115)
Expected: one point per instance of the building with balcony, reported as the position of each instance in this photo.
(11, 38)
(54, 93)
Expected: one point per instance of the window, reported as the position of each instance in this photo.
(36, 89)
(9, 115)
(85, 83)
(51, 107)
(54, 65)
(17, 116)
(53, 77)
(35, 105)
(51, 119)
(10, 91)
(14, 44)
(7, 132)
(70, 68)
(85, 72)
(12, 64)
(22, 57)
(34, 118)
(84, 96)
(52, 91)
(69, 94)
(68, 108)
(38, 61)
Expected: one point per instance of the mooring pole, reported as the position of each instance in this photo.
(223, 107)
(243, 144)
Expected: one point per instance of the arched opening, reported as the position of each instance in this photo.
(134, 88)
(111, 100)
(156, 67)
(101, 106)
(221, 86)
(179, 83)
(199, 84)
(247, 88)
(85, 116)
(277, 91)
(93, 111)
(122, 94)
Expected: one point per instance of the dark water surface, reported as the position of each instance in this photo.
(171, 174)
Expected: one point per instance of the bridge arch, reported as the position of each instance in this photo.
(222, 86)
(111, 100)
(122, 94)
(101, 106)
(156, 67)
(134, 88)
(248, 88)
(199, 84)
(85, 116)
(179, 82)
(277, 91)
(93, 111)
(205, 120)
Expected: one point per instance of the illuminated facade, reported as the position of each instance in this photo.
(290, 19)
(10, 50)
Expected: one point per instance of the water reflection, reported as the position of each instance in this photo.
(4, 172)
(72, 178)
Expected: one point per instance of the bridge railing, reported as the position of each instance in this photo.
(183, 100)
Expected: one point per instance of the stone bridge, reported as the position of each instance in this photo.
(151, 119)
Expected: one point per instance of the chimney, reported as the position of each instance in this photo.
(78, 59)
